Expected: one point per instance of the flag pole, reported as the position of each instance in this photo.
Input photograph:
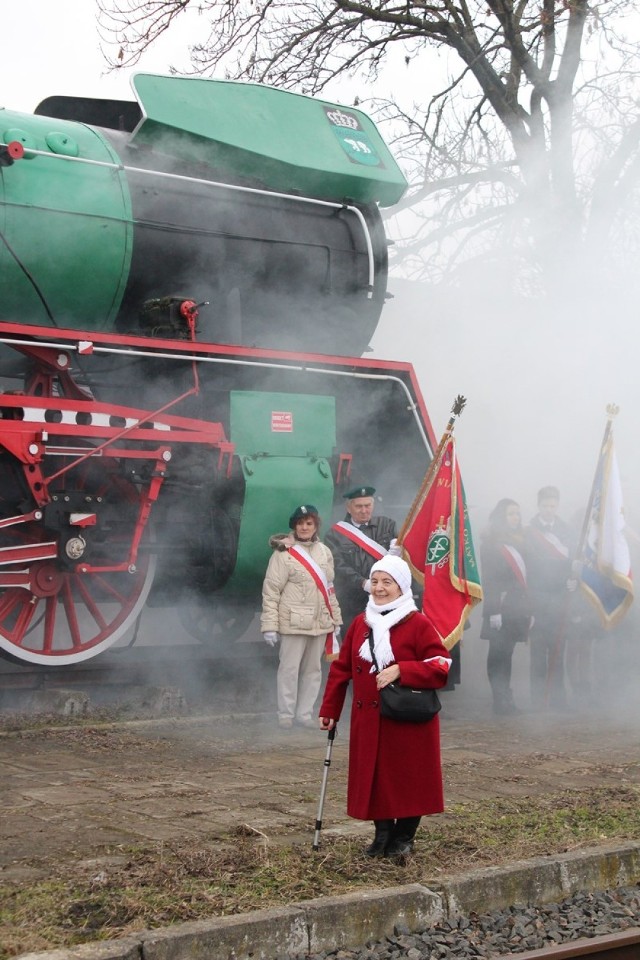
(612, 412)
(457, 408)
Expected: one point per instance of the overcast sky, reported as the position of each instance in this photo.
(52, 47)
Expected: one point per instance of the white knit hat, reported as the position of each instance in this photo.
(396, 568)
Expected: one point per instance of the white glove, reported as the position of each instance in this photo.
(366, 585)
(394, 549)
(571, 585)
(495, 621)
(271, 637)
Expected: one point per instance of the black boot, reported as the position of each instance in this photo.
(381, 839)
(401, 844)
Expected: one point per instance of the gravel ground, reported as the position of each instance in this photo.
(515, 930)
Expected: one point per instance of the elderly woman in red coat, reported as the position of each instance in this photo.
(395, 774)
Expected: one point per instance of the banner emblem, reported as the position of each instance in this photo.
(438, 548)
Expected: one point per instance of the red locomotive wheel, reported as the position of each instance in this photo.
(51, 613)
(67, 616)
(216, 624)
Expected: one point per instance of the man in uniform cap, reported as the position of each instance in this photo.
(356, 543)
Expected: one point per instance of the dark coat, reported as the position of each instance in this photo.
(352, 564)
(504, 591)
(394, 768)
(547, 569)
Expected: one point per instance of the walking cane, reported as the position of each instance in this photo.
(323, 788)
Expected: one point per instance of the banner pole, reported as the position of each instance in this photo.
(612, 413)
(456, 410)
(570, 598)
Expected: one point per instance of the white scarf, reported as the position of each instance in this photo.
(381, 619)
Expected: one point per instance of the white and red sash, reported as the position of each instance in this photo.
(516, 563)
(357, 536)
(331, 646)
(551, 543)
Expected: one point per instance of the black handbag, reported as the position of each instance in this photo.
(406, 703)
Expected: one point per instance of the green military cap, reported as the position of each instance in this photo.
(359, 492)
(306, 510)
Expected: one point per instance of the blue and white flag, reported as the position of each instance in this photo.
(606, 564)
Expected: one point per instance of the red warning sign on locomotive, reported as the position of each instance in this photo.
(281, 422)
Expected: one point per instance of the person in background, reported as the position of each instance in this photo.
(584, 630)
(551, 582)
(356, 543)
(506, 607)
(584, 635)
(395, 774)
(301, 613)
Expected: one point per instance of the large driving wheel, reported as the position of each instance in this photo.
(216, 623)
(51, 612)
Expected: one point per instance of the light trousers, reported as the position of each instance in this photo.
(299, 675)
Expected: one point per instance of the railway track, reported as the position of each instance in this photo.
(615, 946)
(122, 676)
(119, 665)
(160, 652)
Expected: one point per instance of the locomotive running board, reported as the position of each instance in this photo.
(402, 374)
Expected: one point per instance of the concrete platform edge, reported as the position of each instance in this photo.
(349, 921)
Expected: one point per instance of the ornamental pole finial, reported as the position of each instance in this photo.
(458, 405)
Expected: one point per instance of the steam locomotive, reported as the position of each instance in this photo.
(187, 285)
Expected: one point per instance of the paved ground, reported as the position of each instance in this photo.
(67, 791)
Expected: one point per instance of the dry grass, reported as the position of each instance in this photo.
(133, 889)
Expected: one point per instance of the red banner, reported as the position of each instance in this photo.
(438, 546)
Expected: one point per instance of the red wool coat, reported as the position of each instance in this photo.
(394, 767)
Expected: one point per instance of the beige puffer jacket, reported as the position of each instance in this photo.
(291, 601)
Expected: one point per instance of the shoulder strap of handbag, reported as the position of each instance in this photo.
(373, 656)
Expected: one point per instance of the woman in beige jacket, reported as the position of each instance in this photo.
(299, 610)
